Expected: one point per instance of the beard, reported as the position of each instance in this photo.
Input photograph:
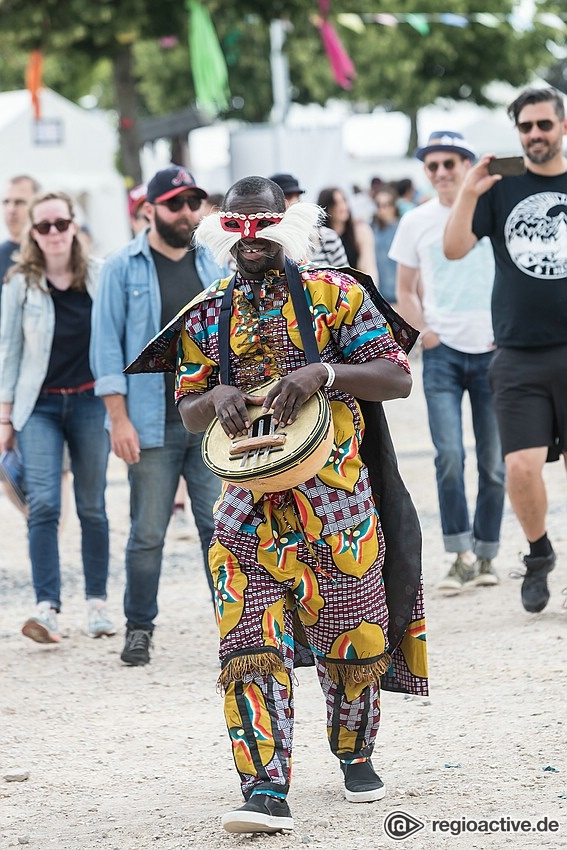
(177, 235)
(545, 153)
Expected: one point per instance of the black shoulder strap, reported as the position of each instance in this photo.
(224, 332)
(300, 308)
(302, 312)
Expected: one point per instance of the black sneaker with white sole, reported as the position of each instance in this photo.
(261, 813)
(136, 650)
(362, 783)
(535, 593)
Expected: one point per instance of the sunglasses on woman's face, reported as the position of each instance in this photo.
(60, 224)
(177, 203)
(448, 165)
(545, 125)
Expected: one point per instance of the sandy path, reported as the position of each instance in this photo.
(136, 758)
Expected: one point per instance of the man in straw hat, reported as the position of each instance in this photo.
(450, 304)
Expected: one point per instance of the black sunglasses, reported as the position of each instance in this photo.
(176, 203)
(60, 224)
(448, 165)
(545, 125)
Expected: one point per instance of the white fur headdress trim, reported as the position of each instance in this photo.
(294, 233)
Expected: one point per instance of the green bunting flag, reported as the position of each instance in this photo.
(208, 66)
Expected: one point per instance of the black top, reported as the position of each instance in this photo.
(179, 283)
(351, 250)
(7, 248)
(526, 220)
(69, 361)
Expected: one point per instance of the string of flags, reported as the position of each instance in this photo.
(519, 20)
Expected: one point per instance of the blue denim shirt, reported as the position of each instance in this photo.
(26, 336)
(126, 315)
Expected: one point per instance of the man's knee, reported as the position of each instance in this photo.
(525, 466)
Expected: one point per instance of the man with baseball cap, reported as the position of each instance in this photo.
(136, 200)
(141, 288)
(450, 303)
(329, 249)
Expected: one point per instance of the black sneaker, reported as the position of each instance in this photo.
(136, 650)
(261, 813)
(535, 594)
(362, 783)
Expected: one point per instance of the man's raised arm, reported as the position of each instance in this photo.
(459, 238)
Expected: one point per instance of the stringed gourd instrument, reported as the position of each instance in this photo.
(269, 459)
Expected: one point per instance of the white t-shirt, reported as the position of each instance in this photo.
(456, 293)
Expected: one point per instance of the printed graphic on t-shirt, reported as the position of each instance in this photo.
(536, 235)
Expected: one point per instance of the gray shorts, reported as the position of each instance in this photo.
(529, 389)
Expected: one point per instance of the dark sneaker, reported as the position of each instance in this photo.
(362, 783)
(136, 650)
(261, 813)
(535, 594)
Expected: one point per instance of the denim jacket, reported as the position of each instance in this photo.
(126, 315)
(26, 336)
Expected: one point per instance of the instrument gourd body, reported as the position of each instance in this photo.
(270, 459)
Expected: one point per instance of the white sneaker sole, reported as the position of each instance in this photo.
(456, 587)
(109, 632)
(38, 632)
(254, 822)
(365, 796)
(487, 581)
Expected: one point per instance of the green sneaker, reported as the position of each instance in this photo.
(487, 575)
(460, 577)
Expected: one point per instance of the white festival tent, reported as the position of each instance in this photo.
(70, 149)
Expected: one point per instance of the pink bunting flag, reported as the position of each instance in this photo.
(341, 66)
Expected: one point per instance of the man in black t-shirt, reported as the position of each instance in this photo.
(525, 217)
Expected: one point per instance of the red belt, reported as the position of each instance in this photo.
(71, 390)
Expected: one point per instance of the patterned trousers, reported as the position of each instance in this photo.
(283, 600)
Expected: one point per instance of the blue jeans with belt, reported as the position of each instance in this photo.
(447, 375)
(77, 420)
(153, 483)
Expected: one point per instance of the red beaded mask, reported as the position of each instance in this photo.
(248, 225)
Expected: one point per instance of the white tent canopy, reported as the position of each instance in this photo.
(69, 149)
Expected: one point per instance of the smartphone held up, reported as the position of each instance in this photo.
(507, 166)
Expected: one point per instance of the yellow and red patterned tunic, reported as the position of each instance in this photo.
(264, 343)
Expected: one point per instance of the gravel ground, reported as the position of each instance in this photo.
(136, 758)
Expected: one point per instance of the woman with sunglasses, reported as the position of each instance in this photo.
(47, 399)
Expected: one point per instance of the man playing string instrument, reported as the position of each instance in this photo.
(298, 574)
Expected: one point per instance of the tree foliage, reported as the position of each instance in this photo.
(85, 41)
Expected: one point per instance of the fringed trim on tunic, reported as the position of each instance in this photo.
(261, 661)
(359, 672)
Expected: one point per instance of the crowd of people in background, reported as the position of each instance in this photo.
(72, 326)
(49, 385)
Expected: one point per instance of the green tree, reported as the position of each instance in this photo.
(112, 47)
(446, 62)
(79, 34)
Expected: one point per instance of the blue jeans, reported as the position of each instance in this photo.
(153, 482)
(447, 374)
(77, 420)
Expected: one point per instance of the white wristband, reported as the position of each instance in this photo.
(330, 375)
